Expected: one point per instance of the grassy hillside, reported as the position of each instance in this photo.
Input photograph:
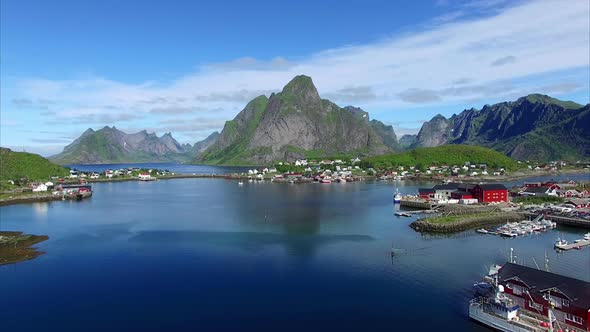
(442, 155)
(16, 165)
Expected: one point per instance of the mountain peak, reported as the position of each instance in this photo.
(537, 98)
(303, 89)
(110, 145)
(107, 128)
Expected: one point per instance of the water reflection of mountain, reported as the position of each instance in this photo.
(300, 246)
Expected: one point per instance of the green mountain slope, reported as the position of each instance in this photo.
(534, 127)
(297, 123)
(442, 155)
(17, 165)
(110, 145)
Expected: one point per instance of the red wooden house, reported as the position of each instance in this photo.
(492, 192)
(536, 290)
(426, 193)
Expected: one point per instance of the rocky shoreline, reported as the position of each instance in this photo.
(17, 247)
(465, 222)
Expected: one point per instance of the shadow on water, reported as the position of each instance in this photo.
(299, 246)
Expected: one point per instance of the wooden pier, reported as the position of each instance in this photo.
(575, 245)
(577, 222)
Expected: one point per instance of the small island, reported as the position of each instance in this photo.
(17, 247)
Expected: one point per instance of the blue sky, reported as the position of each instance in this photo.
(187, 66)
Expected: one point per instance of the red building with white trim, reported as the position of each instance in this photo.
(489, 193)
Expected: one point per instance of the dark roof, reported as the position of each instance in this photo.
(446, 186)
(461, 192)
(466, 186)
(577, 290)
(536, 190)
(425, 190)
(492, 186)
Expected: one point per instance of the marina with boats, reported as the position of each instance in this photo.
(515, 229)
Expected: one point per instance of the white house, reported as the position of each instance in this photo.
(145, 176)
(41, 187)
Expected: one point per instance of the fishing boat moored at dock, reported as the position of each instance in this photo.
(397, 197)
(519, 298)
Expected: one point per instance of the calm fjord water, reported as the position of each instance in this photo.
(207, 254)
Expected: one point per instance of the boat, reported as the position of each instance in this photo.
(482, 231)
(403, 214)
(560, 243)
(492, 308)
(240, 183)
(508, 233)
(397, 198)
(325, 181)
(587, 236)
(151, 178)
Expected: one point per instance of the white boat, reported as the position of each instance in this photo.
(587, 236)
(482, 231)
(560, 243)
(496, 311)
(397, 198)
(240, 183)
(492, 307)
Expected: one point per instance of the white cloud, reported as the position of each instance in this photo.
(528, 39)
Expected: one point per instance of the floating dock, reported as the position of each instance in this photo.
(574, 245)
(578, 222)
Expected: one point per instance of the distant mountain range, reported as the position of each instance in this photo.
(535, 127)
(297, 123)
(111, 145)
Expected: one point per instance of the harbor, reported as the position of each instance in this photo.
(562, 244)
(311, 237)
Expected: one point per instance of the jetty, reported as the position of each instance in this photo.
(416, 204)
(563, 220)
(575, 245)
